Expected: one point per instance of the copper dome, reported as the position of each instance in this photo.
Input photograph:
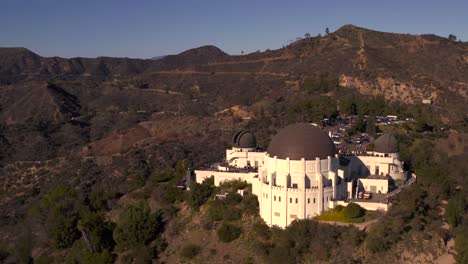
(301, 140)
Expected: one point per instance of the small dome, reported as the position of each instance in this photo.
(244, 139)
(386, 143)
(301, 140)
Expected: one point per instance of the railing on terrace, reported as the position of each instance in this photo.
(228, 169)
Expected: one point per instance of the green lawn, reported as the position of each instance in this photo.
(338, 216)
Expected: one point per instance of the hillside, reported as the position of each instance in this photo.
(110, 128)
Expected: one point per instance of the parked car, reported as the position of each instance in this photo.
(367, 195)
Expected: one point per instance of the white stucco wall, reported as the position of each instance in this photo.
(242, 157)
(381, 185)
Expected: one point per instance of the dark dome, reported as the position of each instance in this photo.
(386, 143)
(244, 139)
(301, 140)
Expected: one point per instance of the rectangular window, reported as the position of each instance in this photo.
(308, 200)
(296, 200)
(279, 198)
(314, 200)
(327, 198)
(267, 195)
(290, 200)
(274, 198)
(277, 214)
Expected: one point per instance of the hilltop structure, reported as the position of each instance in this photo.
(301, 174)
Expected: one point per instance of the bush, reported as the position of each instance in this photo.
(190, 251)
(353, 210)
(453, 213)
(99, 231)
(200, 193)
(461, 244)
(215, 212)
(250, 205)
(163, 176)
(228, 232)
(137, 226)
(63, 231)
(233, 199)
(233, 185)
(232, 214)
(339, 208)
(261, 230)
(58, 211)
(80, 253)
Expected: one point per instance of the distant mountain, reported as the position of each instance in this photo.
(158, 57)
(401, 67)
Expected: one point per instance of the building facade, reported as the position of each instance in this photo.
(301, 175)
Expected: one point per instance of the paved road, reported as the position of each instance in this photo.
(406, 185)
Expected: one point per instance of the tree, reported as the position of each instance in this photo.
(228, 232)
(137, 226)
(452, 37)
(461, 244)
(190, 251)
(58, 212)
(96, 232)
(327, 31)
(200, 193)
(307, 35)
(452, 216)
(353, 210)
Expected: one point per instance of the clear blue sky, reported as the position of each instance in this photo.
(143, 29)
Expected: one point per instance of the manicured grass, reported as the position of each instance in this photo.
(338, 216)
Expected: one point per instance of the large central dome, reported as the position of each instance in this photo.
(301, 140)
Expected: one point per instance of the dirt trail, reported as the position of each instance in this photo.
(362, 57)
(182, 72)
(285, 56)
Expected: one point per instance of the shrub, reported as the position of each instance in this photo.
(234, 185)
(63, 230)
(137, 226)
(99, 231)
(250, 204)
(453, 213)
(200, 193)
(339, 208)
(163, 176)
(353, 210)
(228, 232)
(190, 251)
(57, 210)
(461, 244)
(215, 211)
(261, 230)
(232, 214)
(233, 198)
